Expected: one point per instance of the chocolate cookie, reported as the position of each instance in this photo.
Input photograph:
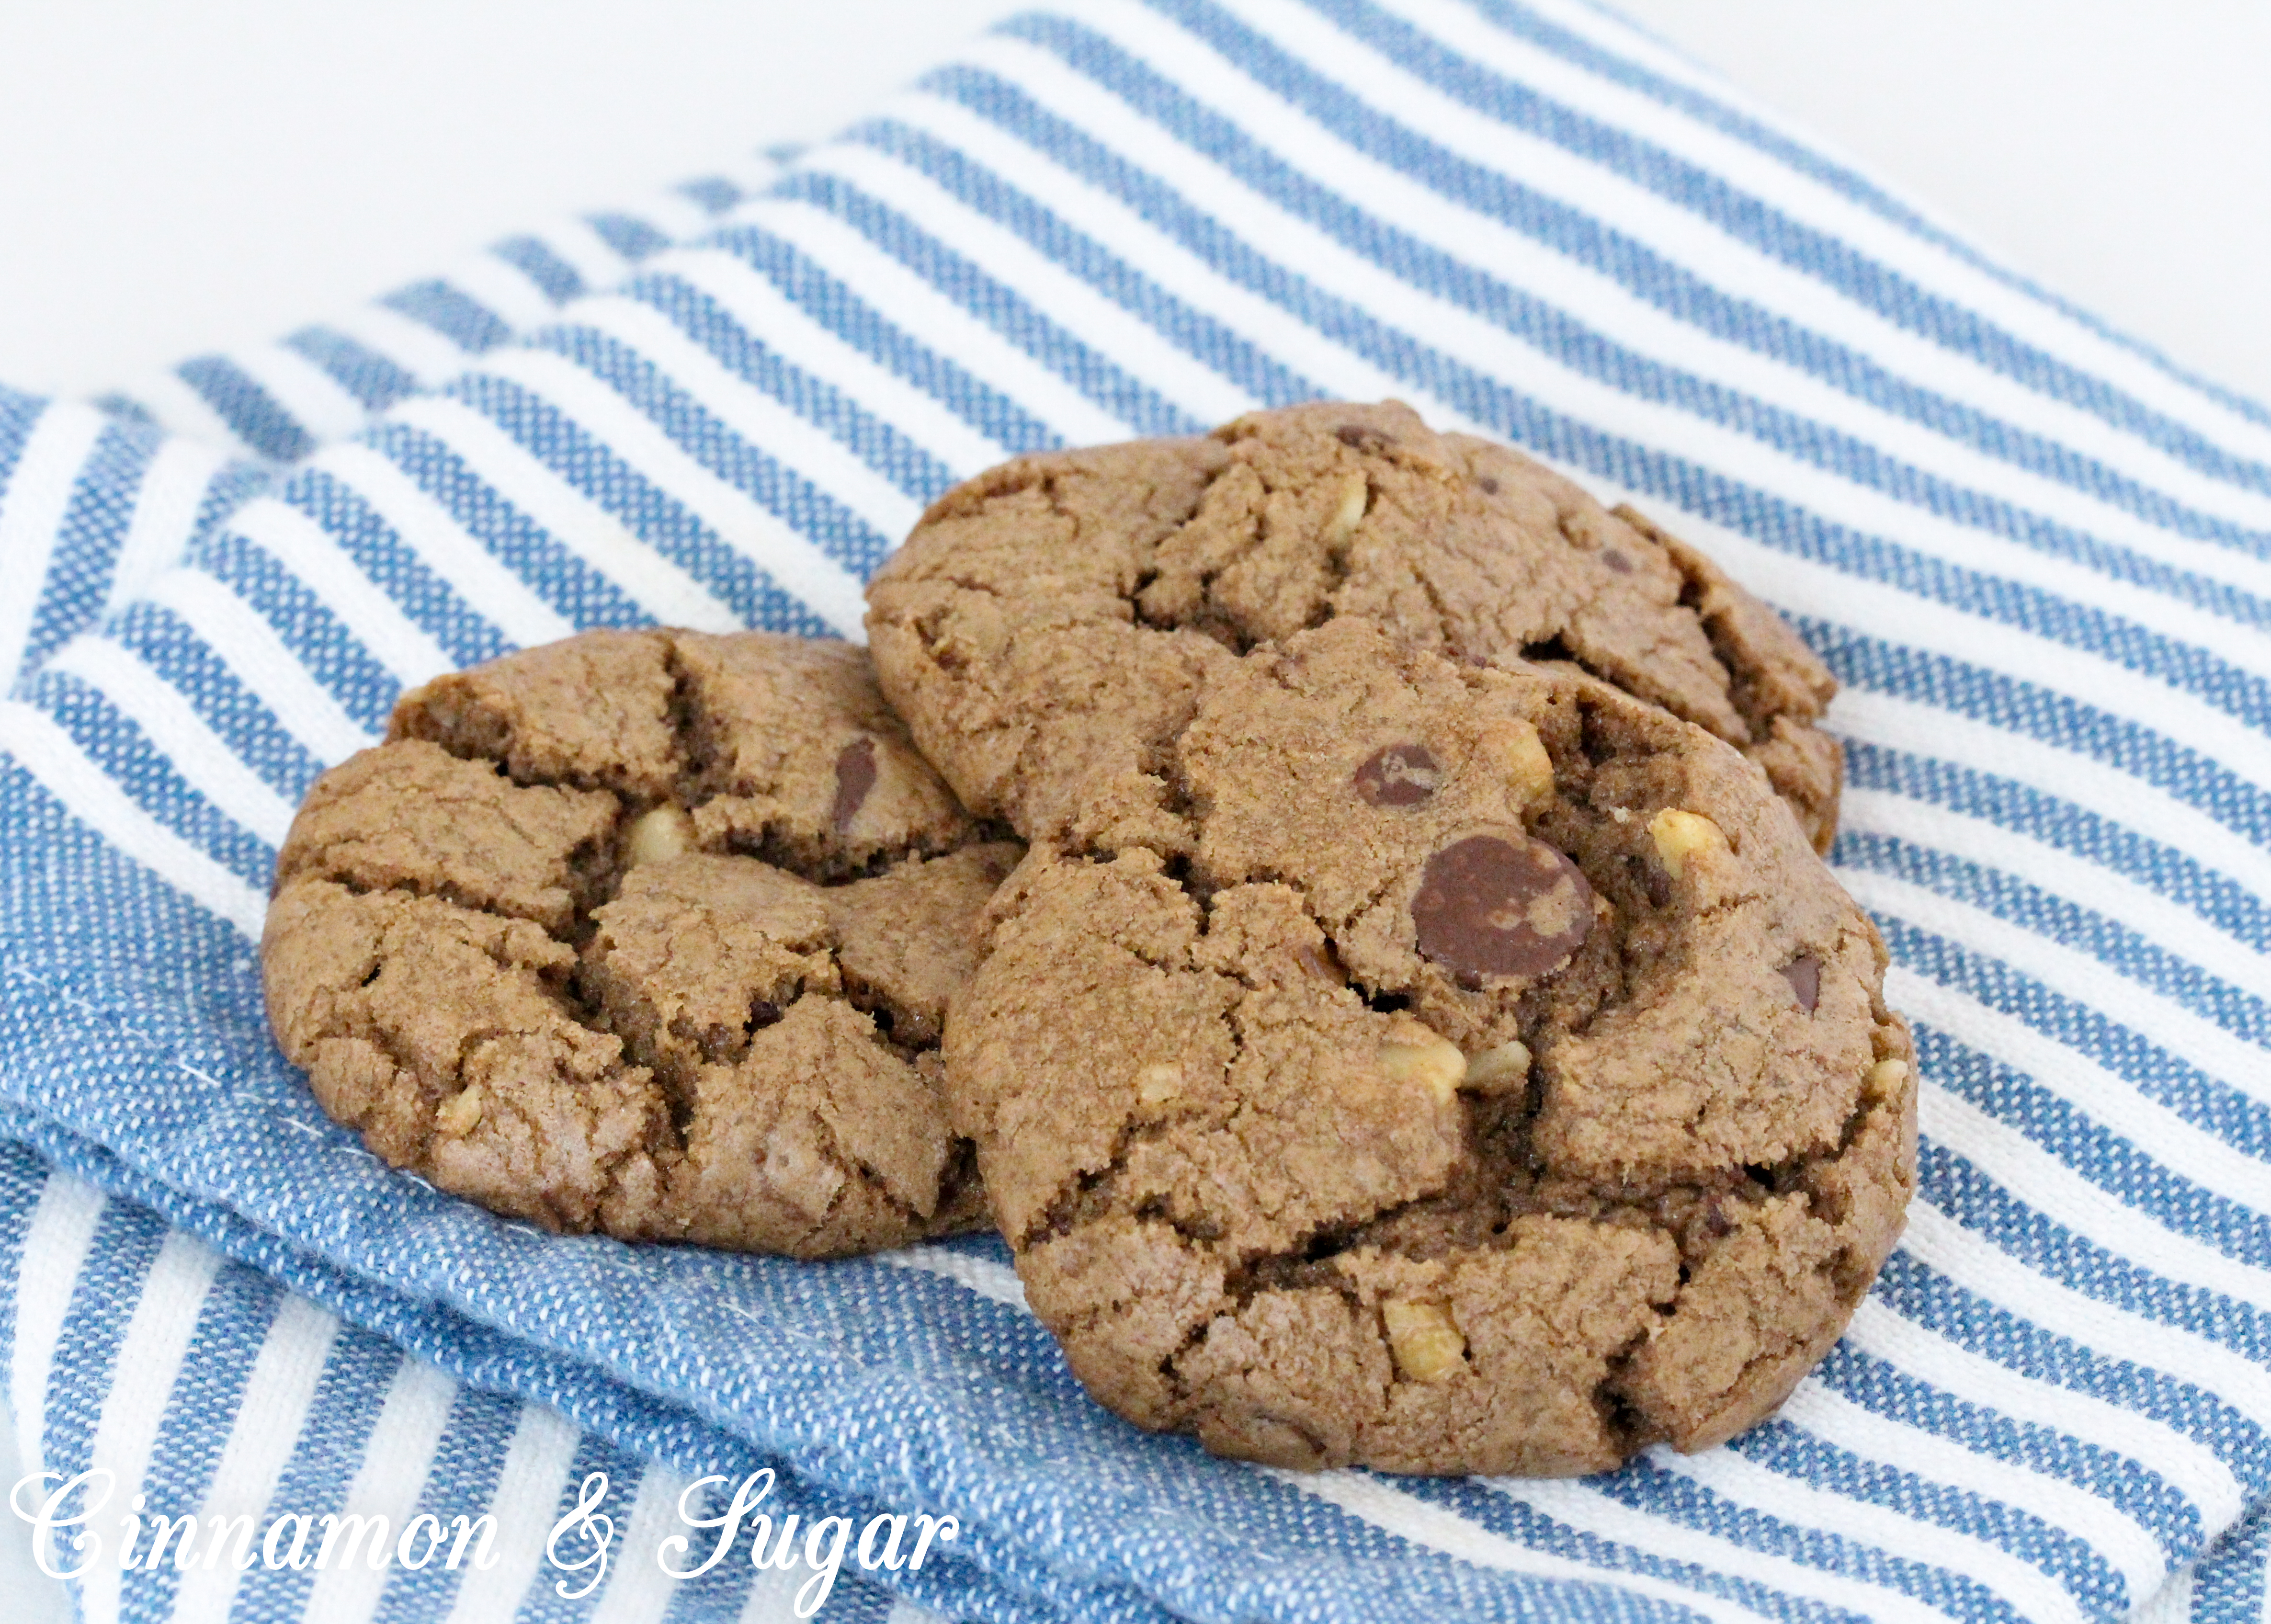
(1492, 1080)
(650, 932)
(1048, 626)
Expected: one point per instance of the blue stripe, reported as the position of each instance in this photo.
(430, 603)
(1514, 1518)
(222, 701)
(148, 778)
(1773, 519)
(1521, 21)
(1748, 219)
(306, 625)
(837, 309)
(631, 237)
(2031, 709)
(251, 412)
(370, 376)
(1984, 1327)
(587, 465)
(2063, 826)
(534, 258)
(1950, 1182)
(1630, 264)
(875, 442)
(2054, 918)
(995, 305)
(787, 494)
(2129, 1484)
(470, 325)
(86, 543)
(713, 192)
(1779, 1446)
(576, 591)
(207, 1394)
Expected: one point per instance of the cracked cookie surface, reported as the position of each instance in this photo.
(1048, 625)
(1491, 1080)
(648, 931)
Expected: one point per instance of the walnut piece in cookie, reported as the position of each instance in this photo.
(1503, 1110)
(646, 932)
(1049, 624)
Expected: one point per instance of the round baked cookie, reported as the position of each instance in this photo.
(650, 932)
(1049, 623)
(1494, 1081)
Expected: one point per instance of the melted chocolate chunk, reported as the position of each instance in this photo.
(1804, 974)
(1363, 439)
(855, 776)
(1616, 561)
(1489, 485)
(1397, 775)
(1653, 879)
(1488, 905)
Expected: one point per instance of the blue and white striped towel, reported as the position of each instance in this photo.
(2038, 558)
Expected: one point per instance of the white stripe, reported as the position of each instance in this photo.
(1478, 240)
(50, 755)
(783, 326)
(981, 1275)
(2089, 981)
(2026, 317)
(1924, 730)
(2040, 1181)
(279, 1392)
(33, 503)
(905, 1612)
(528, 1486)
(410, 344)
(1831, 495)
(1741, 1481)
(452, 552)
(242, 639)
(181, 410)
(675, 215)
(150, 1354)
(505, 290)
(315, 557)
(2122, 1543)
(656, 583)
(2157, 1132)
(56, 1242)
(319, 402)
(771, 1597)
(1719, 257)
(755, 415)
(1119, 228)
(396, 1458)
(2172, 1603)
(595, 258)
(924, 313)
(176, 731)
(1975, 1262)
(799, 567)
(166, 508)
(2195, 1470)
(2100, 888)
(1375, 1501)
(1105, 328)
(639, 1590)
(1582, 1507)
(1974, 638)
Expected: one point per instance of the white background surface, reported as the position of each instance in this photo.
(175, 179)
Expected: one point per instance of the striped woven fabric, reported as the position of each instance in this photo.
(279, 401)
(2038, 559)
